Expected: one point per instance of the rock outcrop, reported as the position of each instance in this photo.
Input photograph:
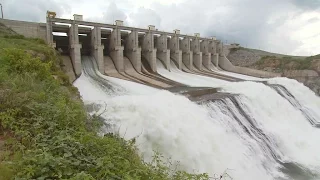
(303, 69)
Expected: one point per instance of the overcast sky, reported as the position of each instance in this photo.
(283, 26)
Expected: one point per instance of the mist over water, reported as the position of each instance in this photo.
(256, 134)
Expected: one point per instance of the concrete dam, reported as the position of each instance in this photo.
(132, 53)
(235, 121)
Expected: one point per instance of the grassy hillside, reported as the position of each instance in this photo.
(266, 53)
(280, 64)
(264, 60)
(45, 132)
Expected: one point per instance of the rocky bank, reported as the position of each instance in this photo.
(304, 69)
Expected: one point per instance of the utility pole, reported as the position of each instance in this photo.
(1, 11)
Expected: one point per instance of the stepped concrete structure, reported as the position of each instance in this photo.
(97, 48)
(116, 48)
(195, 48)
(175, 52)
(187, 54)
(163, 53)
(148, 50)
(132, 49)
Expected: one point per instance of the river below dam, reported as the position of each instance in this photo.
(267, 129)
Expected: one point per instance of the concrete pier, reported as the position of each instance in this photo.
(132, 50)
(97, 48)
(75, 48)
(163, 53)
(49, 35)
(187, 55)
(206, 55)
(197, 55)
(116, 49)
(175, 52)
(148, 50)
(212, 48)
(219, 45)
(215, 59)
(219, 52)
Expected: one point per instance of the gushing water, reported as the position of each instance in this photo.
(256, 134)
(309, 102)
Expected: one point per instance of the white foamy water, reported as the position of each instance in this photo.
(182, 131)
(186, 78)
(209, 138)
(309, 101)
(293, 135)
(179, 129)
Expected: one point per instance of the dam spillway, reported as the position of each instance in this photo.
(235, 132)
(131, 49)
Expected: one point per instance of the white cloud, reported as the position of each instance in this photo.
(33, 10)
(144, 17)
(286, 26)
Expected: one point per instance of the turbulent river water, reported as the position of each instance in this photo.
(267, 130)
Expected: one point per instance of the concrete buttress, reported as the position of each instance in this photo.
(187, 55)
(132, 50)
(116, 50)
(97, 48)
(212, 48)
(49, 35)
(75, 48)
(206, 55)
(175, 52)
(218, 53)
(163, 53)
(148, 50)
(215, 59)
(197, 55)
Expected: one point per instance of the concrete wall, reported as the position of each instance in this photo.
(206, 55)
(175, 52)
(162, 50)
(197, 55)
(85, 42)
(116, 50)
(75, 49)
(97, 48)
(187, 55)
(62, 44)
(28, 29)
(225, 64)
(219, 45)
(215, 59)
(212, 48)
(132, 50)
(148, 50)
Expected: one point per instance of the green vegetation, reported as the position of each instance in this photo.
(45, 132)
(280, 64)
